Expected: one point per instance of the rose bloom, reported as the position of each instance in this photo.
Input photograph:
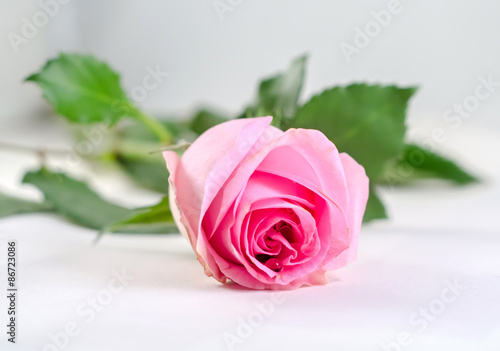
(267, 209)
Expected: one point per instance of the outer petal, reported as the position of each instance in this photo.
(322, 165)
(357, 187)
(173, 161)
(205, 166)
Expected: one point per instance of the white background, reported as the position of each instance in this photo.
(442, 46)
(436, 232)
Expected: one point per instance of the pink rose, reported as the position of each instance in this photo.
(267, 209)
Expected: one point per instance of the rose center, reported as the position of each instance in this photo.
(286, 233)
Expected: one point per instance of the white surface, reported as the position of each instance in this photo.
(170, 304)
(437, 233)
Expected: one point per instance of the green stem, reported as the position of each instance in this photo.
(159, 129)
(134, 149)
(22, 148)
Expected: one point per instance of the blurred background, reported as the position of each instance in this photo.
(215, 51)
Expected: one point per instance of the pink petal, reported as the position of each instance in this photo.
(315, 164)
(357, 186)
(203, 169)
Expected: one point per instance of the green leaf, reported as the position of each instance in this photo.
(82, 89)
(282, 91)
(149, 171)
(278, 96)
(86, 90)
(366, 121)
(11, 206)
(374, 208)
(75, 200)
(156, 219)
(205, 119)
(417, 163)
